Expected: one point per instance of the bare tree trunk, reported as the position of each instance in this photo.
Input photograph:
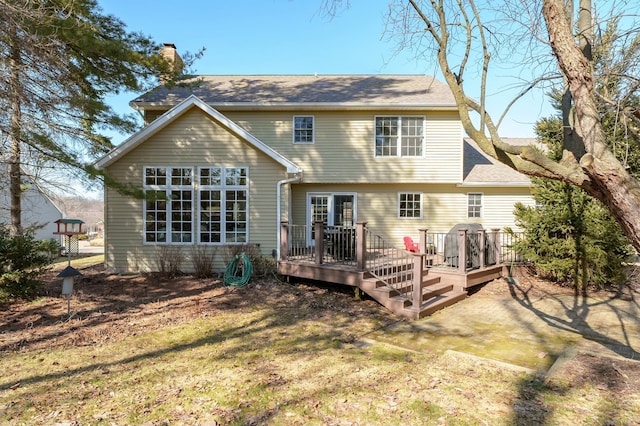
(609, 181)
(15, 193)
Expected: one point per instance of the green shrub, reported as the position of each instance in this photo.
(22, 261)
(570, 236)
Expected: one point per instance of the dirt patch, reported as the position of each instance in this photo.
(107, 307)
(613, 375)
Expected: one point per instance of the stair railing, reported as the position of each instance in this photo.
(391, 266)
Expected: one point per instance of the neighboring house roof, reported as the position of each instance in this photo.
(482, 170)
(177, 111)
(305, 91)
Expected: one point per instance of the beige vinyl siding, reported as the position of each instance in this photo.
(343, 151)
(498, 205)
(443, 207)
(192, 140)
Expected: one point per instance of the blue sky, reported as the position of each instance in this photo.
(293, 37)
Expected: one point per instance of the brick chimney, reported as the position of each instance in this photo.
(170, 54)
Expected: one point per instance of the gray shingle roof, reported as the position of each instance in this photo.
(479, 168)
(336, 90)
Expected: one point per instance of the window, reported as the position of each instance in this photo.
(303, 129)
(223, 205)
(221, 210)
(410, 205)
(474, 205)
(168, 204)
(399, 136)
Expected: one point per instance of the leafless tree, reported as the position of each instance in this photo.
(466, 39)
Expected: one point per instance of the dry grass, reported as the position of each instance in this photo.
(143, 350)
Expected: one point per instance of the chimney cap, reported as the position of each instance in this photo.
(171, 45)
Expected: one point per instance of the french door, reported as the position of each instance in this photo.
(334, 209)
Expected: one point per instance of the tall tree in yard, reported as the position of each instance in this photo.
(467, 40)
(59, 59)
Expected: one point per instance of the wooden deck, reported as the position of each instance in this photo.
(412, 285)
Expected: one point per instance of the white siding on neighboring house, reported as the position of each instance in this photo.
(37, 209)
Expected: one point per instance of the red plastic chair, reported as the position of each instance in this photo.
(410, 245)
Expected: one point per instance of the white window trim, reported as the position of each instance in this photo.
(481, 194)
(421, 205)
(223, 187)
(399, 138)
(195, 189)
(167, 190)
(313, 129)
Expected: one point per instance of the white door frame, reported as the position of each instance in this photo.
(330, 212)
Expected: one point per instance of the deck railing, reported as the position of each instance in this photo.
(339, 245)
(399, 269)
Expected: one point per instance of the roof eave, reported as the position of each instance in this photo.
(301, 106)
(495, 184)
(180, 109)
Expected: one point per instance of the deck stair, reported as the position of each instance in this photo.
(392, 287)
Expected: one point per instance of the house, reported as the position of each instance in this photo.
(39, 211)
(235, 156)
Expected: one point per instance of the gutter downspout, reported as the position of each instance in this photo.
(297, 178)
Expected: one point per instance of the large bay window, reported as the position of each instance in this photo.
(219, 216)
(399, 136)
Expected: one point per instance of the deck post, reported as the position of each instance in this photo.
(423, 240)
(481, 242)
(496, 244)
(462, 250)
(361, 246)
(319, 233)
(418, 275)
(284, 240)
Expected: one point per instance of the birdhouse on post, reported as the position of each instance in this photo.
(69, 228)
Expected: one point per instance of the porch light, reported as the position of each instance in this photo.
(68, 275)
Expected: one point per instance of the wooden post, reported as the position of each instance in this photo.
(319, 232)
(361, 246)
(284, 240)
(418, 275)
(481, 243)
(496, 244)
(423, 240)
(462, 250)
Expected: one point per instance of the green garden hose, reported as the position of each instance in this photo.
(238, 272)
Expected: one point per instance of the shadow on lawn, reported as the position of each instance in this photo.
(612, 323)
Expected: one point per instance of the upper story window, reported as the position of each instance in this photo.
(399, 136)
(303, 129)
(410, 205)
(474, 205)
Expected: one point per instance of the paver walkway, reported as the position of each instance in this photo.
(506, 323)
